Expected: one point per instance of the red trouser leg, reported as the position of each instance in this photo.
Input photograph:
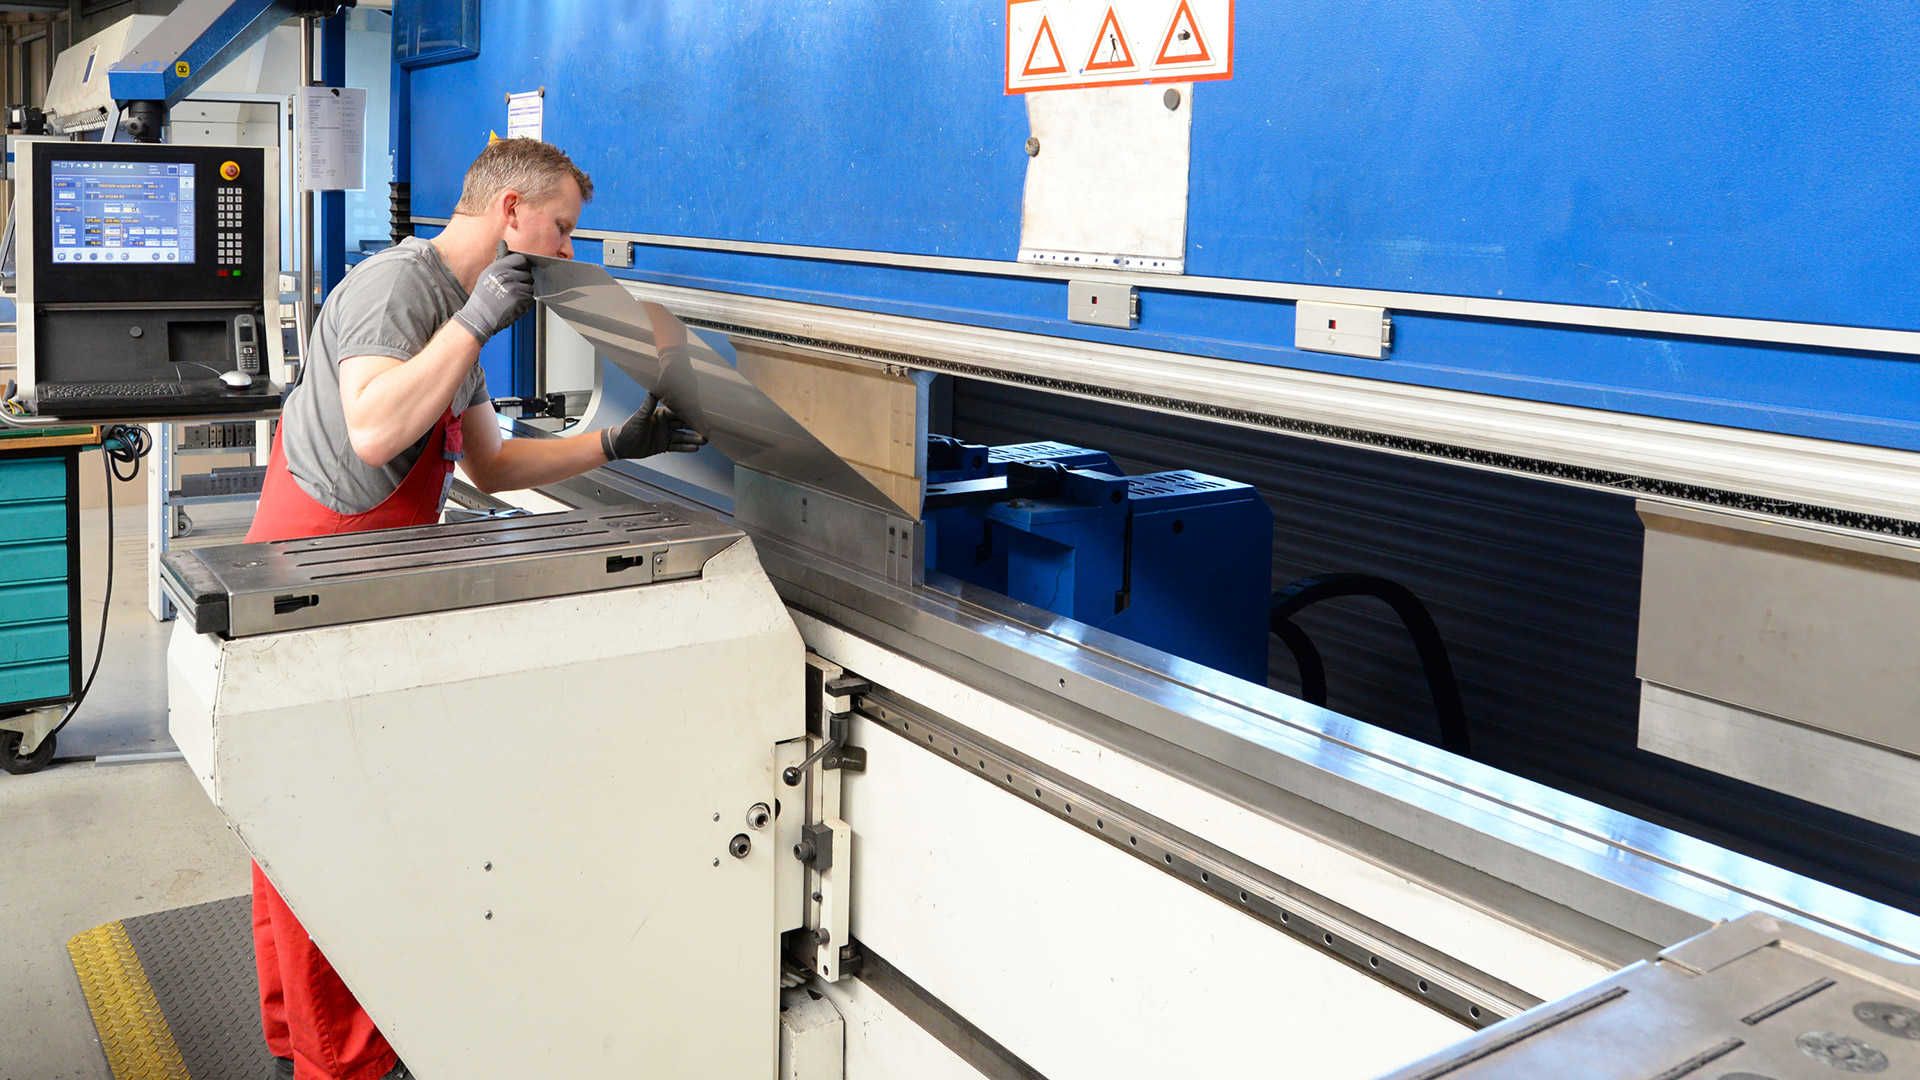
(266, 962)
(325, 1031)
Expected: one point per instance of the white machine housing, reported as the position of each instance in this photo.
(516, 830)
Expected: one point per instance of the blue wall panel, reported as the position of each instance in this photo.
(1734, 158)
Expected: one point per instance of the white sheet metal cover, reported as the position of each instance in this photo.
(698, 374)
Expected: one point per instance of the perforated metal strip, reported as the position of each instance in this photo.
(1478, 1000)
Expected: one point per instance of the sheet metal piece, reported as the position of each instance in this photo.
(699, 375)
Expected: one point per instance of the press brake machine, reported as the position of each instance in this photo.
(747, 765)
(971, 837)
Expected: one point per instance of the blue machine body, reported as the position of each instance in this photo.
(1176, 560)
(1748, 159)
(191, 46)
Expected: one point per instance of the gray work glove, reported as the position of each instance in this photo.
(503, 293)
(652, 430)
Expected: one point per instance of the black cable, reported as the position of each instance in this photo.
(1306, 592)
(1313, 670)
(134, 443)
(119, 443)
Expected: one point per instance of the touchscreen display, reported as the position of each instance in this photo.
(122, 212)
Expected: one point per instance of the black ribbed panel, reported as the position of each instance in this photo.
(1534, 585)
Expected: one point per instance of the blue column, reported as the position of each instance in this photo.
(332, 228)
(400, 136)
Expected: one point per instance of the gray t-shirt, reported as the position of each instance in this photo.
(389, 305)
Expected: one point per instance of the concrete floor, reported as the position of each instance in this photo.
(85, 844)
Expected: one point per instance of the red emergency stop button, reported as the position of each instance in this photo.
(229, 170)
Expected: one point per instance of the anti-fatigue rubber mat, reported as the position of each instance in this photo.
(173, 994)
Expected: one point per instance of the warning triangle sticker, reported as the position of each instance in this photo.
(1056, 66)
(1183, 43)
(1110, 51)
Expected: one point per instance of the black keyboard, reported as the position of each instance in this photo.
(114, 400)
(93, 391)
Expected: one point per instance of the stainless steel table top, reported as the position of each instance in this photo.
(240, 590)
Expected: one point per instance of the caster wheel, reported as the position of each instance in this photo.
(18, 764)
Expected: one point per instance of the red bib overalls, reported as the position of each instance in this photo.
(308, 1014)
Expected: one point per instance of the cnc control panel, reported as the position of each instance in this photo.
(148, 279)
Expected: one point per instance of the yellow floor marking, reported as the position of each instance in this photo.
(134, 1033)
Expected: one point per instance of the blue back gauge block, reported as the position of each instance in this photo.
(1067, 554)
(1057, 453)
(1175, 560)
(959, 540)
(1200, 549)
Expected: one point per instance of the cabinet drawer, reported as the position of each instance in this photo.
(41, 641)
(33, 603)
(25, 479)
(32, 521)
(35, 682)
(39, 560)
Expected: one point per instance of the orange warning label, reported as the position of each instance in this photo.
(1110, 49)
(1050, 64)
(1071, 44)
(1184, 43)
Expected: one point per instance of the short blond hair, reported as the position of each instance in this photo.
(528, 166)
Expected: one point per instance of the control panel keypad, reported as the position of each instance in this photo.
(230, 251)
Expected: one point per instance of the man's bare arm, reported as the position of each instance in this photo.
(390, 403)
(496, 464)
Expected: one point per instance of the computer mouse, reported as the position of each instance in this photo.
(239, 380)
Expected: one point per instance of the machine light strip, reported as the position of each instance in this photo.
(1453, 988)
(1822, 484)
(1667, 323)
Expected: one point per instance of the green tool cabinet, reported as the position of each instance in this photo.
(39, 577)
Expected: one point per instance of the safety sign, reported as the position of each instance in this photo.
(1068, 44)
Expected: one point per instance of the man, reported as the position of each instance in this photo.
(393, 395)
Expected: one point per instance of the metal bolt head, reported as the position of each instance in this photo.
(1172, 100)
(488, 916)
(758, 815)
(486, 866)
(822, 936)
(1843, 1052)
(1889, 1018)
(1033, 146)
(740, 845)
